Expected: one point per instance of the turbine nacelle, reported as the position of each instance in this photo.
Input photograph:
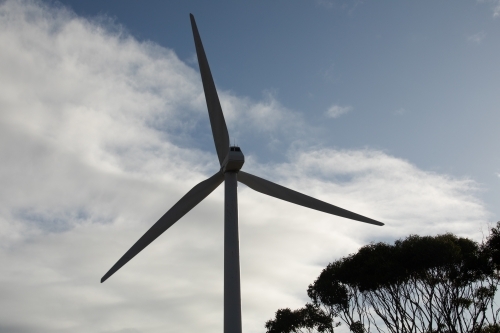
(234, 160)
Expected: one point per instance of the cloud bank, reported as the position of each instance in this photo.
(101, 134)
(476, 38)
(495, 6)
(336, 111)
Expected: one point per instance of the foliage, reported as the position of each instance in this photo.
(419, 284)
(310, 318)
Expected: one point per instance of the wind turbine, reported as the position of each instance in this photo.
(231, 160)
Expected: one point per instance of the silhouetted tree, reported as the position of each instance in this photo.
(309, 318)
(428, 284)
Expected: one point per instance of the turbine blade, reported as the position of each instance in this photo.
(219, 128)
(184, 205)
(283, 193)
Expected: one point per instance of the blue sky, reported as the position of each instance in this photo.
(421, 78)
(387, 109)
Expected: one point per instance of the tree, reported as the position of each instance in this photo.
(421, 284)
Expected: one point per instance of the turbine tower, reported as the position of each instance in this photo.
(231, 160)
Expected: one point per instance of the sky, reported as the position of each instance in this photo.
(387, 109)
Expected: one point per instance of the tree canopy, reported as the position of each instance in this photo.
(424, 284)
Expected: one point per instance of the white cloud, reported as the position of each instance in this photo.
(91, 142)
(336, 111)
(476, 38)
(495, 6)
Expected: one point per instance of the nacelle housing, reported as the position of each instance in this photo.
(234, 160)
